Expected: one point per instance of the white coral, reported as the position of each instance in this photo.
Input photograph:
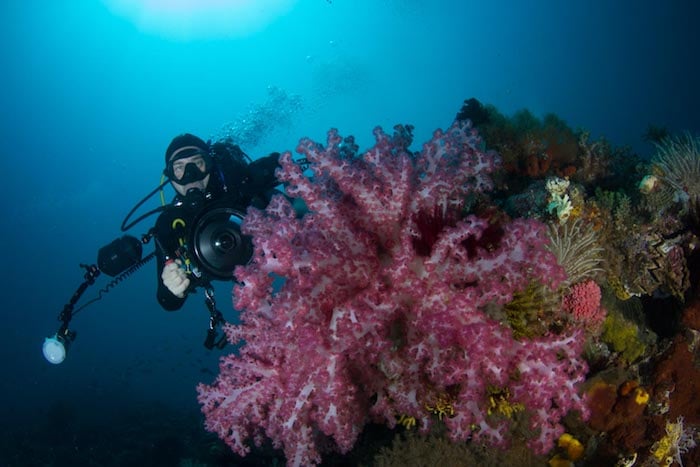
(557, 186)
(560, 206)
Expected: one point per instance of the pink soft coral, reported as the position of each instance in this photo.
(371, 305)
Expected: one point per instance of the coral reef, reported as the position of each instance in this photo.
(405, 297)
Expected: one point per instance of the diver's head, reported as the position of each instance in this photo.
(188, 163)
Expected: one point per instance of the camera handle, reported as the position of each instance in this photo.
(215, 318)
(91, 272)
(56, 347)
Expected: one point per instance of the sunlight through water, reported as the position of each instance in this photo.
(200, 19)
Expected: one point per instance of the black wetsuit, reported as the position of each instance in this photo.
(233, 184)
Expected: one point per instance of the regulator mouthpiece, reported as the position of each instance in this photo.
(55, 349)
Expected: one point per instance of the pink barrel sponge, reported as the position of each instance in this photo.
(583, 302)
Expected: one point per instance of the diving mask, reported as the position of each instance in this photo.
(189, 167)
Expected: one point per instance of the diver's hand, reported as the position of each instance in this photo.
(175, 278)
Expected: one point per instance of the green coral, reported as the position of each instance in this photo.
(623, 336)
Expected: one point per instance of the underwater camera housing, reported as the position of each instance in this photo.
(218, 245)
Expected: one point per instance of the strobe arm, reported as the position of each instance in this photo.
(55, 348)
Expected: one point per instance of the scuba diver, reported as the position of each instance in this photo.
(212, 181)
(197, 236)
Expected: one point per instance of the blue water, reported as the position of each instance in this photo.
(90, 101)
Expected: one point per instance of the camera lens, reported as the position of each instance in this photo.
(219, 246)
(224, 242)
